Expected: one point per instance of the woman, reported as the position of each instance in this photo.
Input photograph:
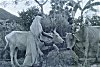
(33, 51)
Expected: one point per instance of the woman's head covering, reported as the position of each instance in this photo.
(36, 27)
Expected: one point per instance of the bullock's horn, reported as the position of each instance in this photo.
(55, 29)
(76, 37)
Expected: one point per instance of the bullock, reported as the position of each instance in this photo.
(19, 40)
(88, 36)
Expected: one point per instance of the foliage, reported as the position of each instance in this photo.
(59, 15)
(88, 6)
(47, 24)
(62, 25)
(61, 12)
(95, 20)
(57, 7)
(91, 5)
(28, 16)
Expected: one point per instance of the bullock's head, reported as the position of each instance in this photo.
(56, 37)
(52, 37)
(70, 40)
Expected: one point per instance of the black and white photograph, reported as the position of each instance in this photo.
(49, 33)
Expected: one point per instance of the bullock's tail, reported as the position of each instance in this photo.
(3, 51)
(7, 43)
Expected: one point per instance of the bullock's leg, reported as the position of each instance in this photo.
(97, 52)
(15, 58)
(86, 53)
(12, 55)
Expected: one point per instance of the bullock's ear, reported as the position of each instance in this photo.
(52, 31)
(66, 33)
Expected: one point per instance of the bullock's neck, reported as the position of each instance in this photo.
(81, 33)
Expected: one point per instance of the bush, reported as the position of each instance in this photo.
(61, 59)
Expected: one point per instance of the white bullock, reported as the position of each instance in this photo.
(21, 39)
(29, 41)
(88, 36)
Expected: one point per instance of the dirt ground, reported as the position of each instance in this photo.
(54, 59)
(5, 64)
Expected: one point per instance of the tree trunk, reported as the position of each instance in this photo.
(41, 9)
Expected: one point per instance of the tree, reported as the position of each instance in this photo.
(28, 16)
(95, 20)
(61, 12)
(89, 5)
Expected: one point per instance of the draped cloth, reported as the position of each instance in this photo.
(33, 42)
(36, 27)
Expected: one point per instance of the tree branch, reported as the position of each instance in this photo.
(90, 5)
(45, 2)
(37, 2)
(41, 4)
